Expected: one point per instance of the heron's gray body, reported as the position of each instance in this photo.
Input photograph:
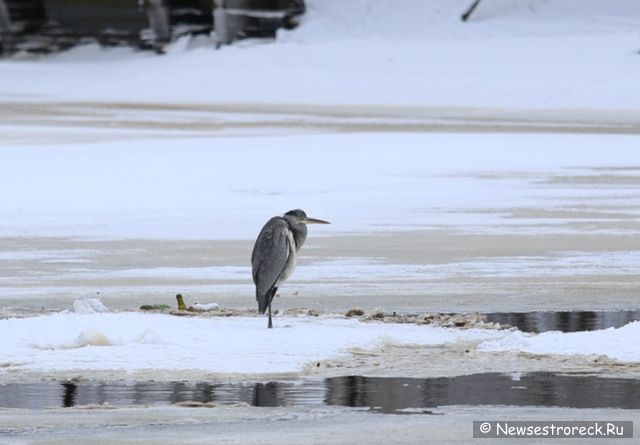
(274, 254)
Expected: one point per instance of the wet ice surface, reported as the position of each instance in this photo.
(381, 394)
(439, 271)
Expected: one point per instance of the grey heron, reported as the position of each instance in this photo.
(274, 254)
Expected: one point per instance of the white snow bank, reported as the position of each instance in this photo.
(134, 341)
(514, 54)
(620, 344)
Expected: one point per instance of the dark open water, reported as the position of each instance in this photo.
(569, 321)
(387, 395)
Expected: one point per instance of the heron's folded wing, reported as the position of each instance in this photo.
(270, 254)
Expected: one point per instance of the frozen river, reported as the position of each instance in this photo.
(138, 203)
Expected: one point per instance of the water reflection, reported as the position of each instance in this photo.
(565, 321)
(387, 395)
(537, 389)
(69, 394)
(269, 394)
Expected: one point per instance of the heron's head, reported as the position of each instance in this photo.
(300, 217)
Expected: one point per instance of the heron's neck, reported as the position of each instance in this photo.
(299, 233)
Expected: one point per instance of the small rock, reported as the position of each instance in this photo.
(354, 312)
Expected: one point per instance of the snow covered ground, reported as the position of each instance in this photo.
(127, 342)
(237, 345)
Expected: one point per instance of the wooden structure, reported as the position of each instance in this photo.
(50, 25)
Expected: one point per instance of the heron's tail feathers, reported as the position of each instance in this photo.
(265, 299)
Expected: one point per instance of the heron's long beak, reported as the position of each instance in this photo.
(315, 221)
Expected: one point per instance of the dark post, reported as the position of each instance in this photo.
(469, 11)
(159, 22)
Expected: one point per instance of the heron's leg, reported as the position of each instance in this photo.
(272, 293)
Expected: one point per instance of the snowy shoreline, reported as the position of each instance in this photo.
(139, 346)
